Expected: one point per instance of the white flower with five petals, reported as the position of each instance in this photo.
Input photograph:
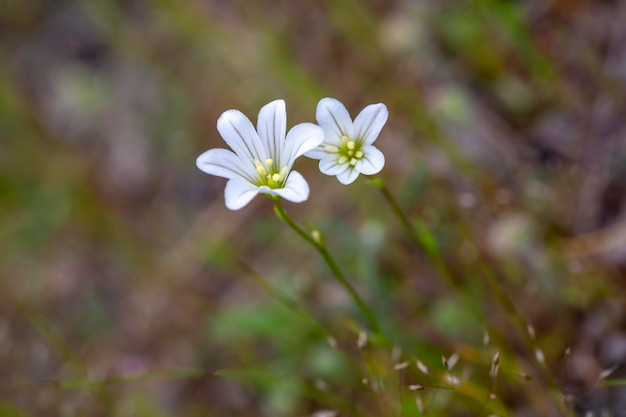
(262, 158)
(347, 150)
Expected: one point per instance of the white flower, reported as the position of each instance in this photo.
(263, 157)
(347, 149)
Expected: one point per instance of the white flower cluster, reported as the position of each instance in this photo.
(263, 157)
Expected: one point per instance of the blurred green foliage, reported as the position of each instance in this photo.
(127, 288)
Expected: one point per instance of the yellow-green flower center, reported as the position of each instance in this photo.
(349, 152)
(270, 174)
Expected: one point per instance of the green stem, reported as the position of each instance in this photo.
(435, 256)
(380, 184)
(421, 239)
(316, 240)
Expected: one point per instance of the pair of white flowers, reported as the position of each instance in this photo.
(263, 157)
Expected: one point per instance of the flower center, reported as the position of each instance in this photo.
(270, 174)
(349, 152)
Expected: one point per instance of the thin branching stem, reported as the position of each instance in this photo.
(412, 233)
(489, 272)
(316, 240)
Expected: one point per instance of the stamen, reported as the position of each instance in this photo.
(344, 138)
(331, 148)
(350, 153)
(353, 161)
(342, 160)
(359, 154)
(350, 144)
(270, 176)
(260, 168)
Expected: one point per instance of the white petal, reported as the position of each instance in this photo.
(348, 176)
(238, 132)
(296, 188)
(330, 166)
(369, 122)
(272, 126)
(373, 161)
(302, 138)
(224, 163)
(317, 153)
(333, 117)
(239, 192)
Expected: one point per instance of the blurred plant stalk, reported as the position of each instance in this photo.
(315, 238)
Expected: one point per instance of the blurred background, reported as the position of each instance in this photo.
(127, 288)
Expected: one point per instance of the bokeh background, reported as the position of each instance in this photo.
(127, 288)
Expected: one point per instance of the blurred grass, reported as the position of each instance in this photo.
(120, 265)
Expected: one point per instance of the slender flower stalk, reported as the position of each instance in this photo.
(317, 241)
(490, 273)
(422, 239)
